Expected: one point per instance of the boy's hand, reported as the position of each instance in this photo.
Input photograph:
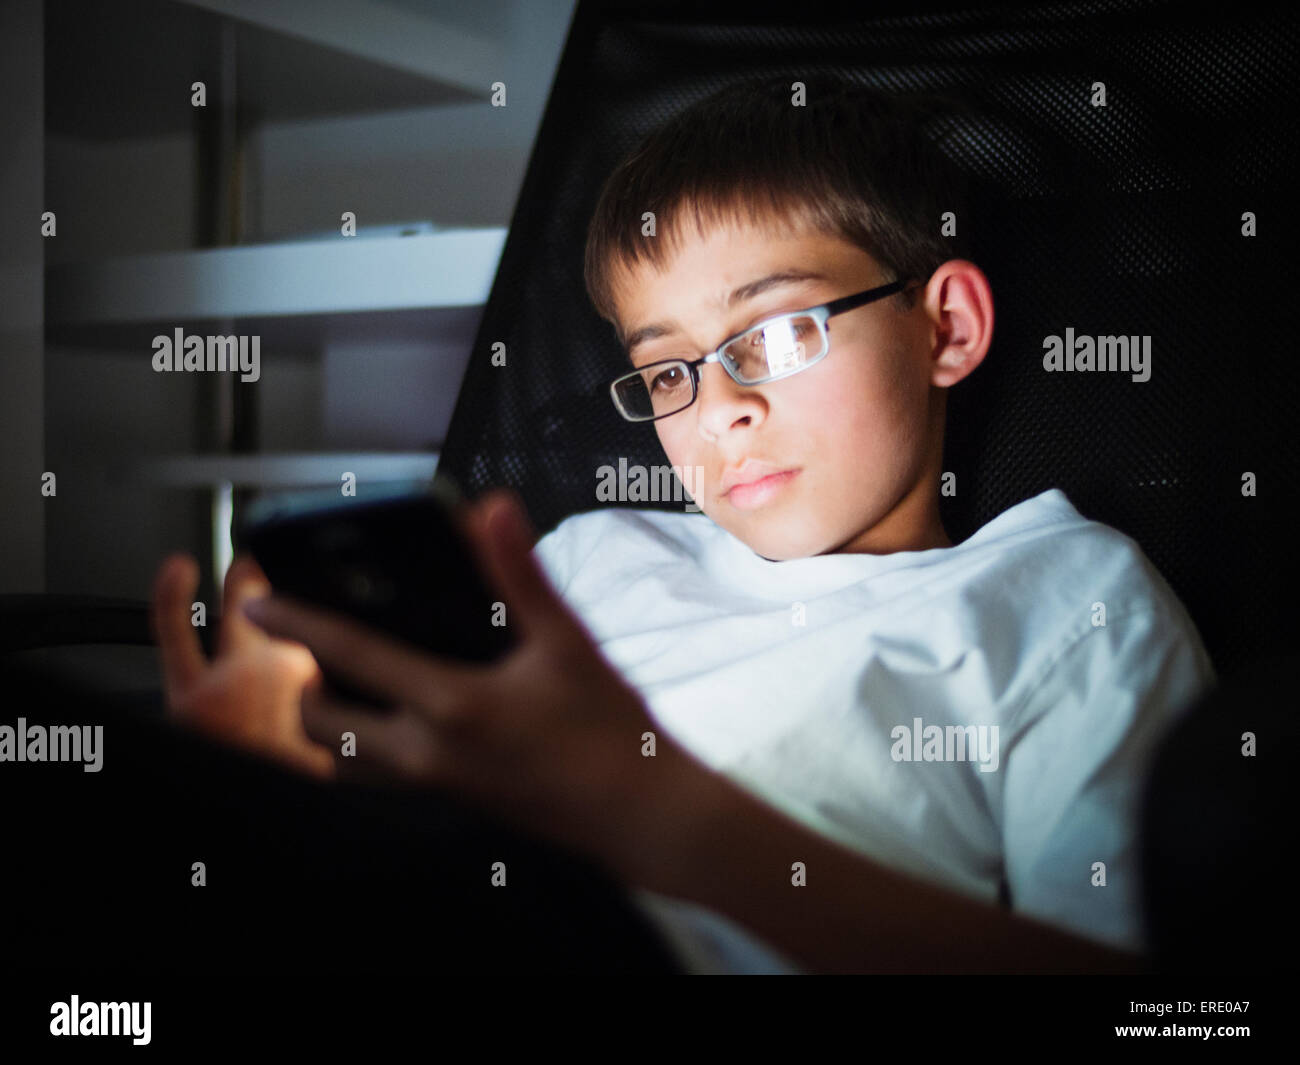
(549, 737)
(250, 695)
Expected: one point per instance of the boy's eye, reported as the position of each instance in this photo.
(668, 379)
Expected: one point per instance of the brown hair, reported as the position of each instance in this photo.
(851, 162)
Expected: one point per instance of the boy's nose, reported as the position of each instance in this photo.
(723, 403)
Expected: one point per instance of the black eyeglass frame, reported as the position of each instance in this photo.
(820, 314)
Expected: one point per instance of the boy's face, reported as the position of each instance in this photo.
(856, 437)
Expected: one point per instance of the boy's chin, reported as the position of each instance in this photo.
(777, 540)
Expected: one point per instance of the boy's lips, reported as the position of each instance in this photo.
(753, 483)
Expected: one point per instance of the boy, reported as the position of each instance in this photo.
(803, 708)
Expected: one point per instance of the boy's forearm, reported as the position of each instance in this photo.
(721, 847)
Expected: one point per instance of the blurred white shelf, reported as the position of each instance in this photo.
(452, 268)
(283, 470)
(124, 70)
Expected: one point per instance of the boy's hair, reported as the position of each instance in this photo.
(850, 162)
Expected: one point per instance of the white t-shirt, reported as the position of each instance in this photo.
(817, 683)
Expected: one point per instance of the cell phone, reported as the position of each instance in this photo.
(392, 557)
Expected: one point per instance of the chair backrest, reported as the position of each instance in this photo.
(1123, 219)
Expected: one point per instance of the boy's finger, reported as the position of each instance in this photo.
(244, 581)
(369, 659)
(183, 660)
(472, 526)
(377, 739)
(508, 538)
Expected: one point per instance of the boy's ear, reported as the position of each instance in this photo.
(959, 302)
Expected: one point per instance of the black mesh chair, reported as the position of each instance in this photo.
(1120, 219)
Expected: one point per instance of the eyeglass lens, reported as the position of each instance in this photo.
(781, 346)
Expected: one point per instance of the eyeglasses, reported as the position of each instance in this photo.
(776, 347)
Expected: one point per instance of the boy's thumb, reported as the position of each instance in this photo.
(516, 572)
(507, 524)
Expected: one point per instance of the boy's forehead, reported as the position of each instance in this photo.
(726, 265)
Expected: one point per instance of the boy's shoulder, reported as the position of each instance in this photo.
(1057, 578)
(1044, 545)
(620, 536)
(1076, 562)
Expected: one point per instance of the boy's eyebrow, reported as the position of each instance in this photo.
(745, 292)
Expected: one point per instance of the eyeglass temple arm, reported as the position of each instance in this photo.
(847, 303)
